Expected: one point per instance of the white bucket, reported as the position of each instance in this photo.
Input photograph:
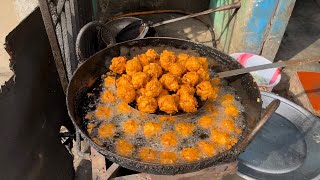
(266, 79)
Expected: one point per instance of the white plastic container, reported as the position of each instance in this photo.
(266, 79)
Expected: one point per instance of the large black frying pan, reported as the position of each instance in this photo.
(246, 88)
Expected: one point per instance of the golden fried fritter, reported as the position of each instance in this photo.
(130, 127)
(215, 81)
(102, 112)
(144, 59)
(186, 89)
(188, 103)
(169, 119)
(169, 139)
(164, 92)
(227, 100)
(191, 78)
(151, 129)
(107, 97)
(177, 69)
(118, 64)
(207, 148)
(124, 148)
(153, 69)
(206, 91)
(140, 79)
(153, 88)
(193, 64)
(167, 157)
(182, 59)
(106, 130)
(124, 80)
(206, 122)
(204, 62)
(90, 126)
(222, 138)
(153, 55)
(109, 81)
(203, 74)
(185, 129)
(229, 125)
(232, 111)
(168, 104)
(147, 104)
(170, 82)
(148, 155)
(133, 66)
(166, 59)
(123, 108)
(126, 93)
(190, 154)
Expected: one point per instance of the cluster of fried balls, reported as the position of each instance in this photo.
(167, 82)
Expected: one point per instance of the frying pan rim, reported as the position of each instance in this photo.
(109, 153)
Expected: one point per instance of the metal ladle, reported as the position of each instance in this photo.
(139, 29)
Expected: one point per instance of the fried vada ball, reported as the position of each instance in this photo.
(177, 69)
(153, 88)
(186, 89)
(190, 154)
(208, 149)
(147, 104)
(167, 157)
(168, 104)
(90, 126)
(170, 82)
(130, 127)
(222, 138)
(229, 125)
(109, 81)
(140, 79)
(106, 130)
(203, 74)
(124, 80)
(123, 108)
(144, 59)
(148, 155)
(182, 59)
(188, 103)
(227, 99)
(204, 62)
(152, 54)
(126, 93)
(185, 129)
(206, 91)
(102, 112)
(151, 129)
(124, 148)
(232, 111)
(191, 78)
(133, 66)
(166, 59)
(153, 69)
(216, 81)
(169, 139)
(108, 97)
(169, 119)
(118, 64)
(193, 64)
(206, 122)
(164, 92)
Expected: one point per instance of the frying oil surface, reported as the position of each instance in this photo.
(213, 128)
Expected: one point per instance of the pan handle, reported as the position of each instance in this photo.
(85, 28)
(270, 109)
(81, 154)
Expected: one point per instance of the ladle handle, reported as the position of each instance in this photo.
(270, 109)
(85, 28)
